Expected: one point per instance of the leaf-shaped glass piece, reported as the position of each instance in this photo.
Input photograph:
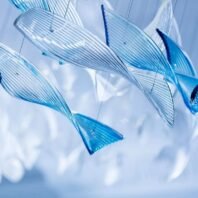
(62, 8)
(176, 56)
(109, 85)
(185, 72)
(69, 42)
(134, 46)
(165, 21)
(74, 44)
(23, 81)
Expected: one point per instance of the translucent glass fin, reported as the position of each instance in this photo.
(96, 135)
(177, 58)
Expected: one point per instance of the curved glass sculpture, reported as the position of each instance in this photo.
(139, 50)
(133, 46)
(68, 42)
(23, 81)
(62, 8)
(177, 58)
(74, 44)
(184, 71)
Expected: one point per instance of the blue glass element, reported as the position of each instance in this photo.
(137, 49)
(23, 81)
(177, 58)
(97, 135)
(105, 25)
(80, 47)
(57, 7)
(188, 87)
(184, 71)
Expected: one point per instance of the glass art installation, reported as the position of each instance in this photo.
(104, 65)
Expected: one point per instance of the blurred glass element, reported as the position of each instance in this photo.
(166, 22)
(66, 162)
(112, 174)
(20, 140)
(181, 162)
(108, 86)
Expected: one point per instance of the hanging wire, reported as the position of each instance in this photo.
(174, 7)
(194, 38)
(154, 81)
(67, 8)
(22, 43)
(157, 69)
(183, 13)
(147, 5)
(130, 8)
(127, 18)
(52, 20)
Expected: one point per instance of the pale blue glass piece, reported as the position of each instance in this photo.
(57, 7)
(158, 92)
(76, 45)
(23, 81)
(134, 46)
(177, 58)
(139, 50)
(69, 42)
